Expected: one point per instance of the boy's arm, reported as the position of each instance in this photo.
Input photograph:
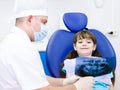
(111, 87)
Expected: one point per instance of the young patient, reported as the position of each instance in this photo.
(85, 48)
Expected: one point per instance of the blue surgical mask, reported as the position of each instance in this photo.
(38, 36)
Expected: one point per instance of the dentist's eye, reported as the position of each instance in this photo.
(44, 21)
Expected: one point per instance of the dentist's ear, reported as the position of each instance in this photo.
(28, 19)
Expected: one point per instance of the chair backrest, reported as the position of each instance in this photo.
(61, 42)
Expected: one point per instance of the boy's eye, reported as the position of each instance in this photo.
(79, 41)
(89, 42)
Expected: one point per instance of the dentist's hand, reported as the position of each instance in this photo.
(85, 83)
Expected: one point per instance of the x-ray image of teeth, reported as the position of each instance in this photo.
(92, 66)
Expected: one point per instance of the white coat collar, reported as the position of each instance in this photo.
(20, 32)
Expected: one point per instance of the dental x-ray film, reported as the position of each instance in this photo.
(92, 66)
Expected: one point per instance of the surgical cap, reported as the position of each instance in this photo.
(24, 8)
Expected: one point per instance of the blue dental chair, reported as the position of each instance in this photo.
(61, 42)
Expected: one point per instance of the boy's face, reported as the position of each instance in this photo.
(84, 47)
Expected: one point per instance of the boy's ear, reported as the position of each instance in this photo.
(94, 48)
(74, 47)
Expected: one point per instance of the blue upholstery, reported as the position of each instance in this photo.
(57, 49)
(104, 46)
(75, 21)
(61, 42)
(43, 59)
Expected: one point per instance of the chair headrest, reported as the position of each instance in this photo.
(75, 21)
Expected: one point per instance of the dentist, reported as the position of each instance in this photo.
(20, 64)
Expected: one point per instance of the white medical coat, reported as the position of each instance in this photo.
(20, 64)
